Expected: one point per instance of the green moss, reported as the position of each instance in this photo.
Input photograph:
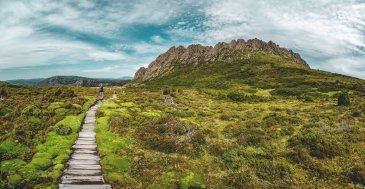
(110, 105)
(10, 149)
(127, 104)
(90, 101)
(77, 106)
(60, 111)
(151, 114)
(15, 180)
(35, 122)
(11, 166)
(55, 105)
(192, 180)
(115, 163)
(41, 163)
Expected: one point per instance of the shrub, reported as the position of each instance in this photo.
(14, 180)
(343, 99)
(240, 97)
(41, 163)
(320, 145)
(119, 124)
(58, 92)
(62, 129)
(35, 122)
(244, 179)
(4, 111)
(288, 92)
(3, 93)
(68, 93)
(357, 175)
(10, 149)
(356, 114)
(280, 119)
(252, 137)
(225, 117)
(166, 91)
(170, 135)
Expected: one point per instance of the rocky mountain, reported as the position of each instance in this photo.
(236, 50)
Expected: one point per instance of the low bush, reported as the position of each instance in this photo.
(320, 145)
(242, 179)
(357, 174)
(62, 129)
(41, 163)
(35, 123)
(170, 135)
(241, 97)
(343, 99)
(280, 120)
(119, 124)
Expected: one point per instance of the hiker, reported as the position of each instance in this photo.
(101, 91)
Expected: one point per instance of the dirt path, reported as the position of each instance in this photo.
(84, 171)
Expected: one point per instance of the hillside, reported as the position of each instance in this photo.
(228, 65)
(31, 82)
(79, 81)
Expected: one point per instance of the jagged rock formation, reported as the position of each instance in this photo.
(193, 54)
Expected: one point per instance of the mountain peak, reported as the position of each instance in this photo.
(222, 51)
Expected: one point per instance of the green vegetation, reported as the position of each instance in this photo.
(343, 99)
(38, 127)
(261, 122)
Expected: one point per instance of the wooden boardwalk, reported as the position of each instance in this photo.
(84, 171)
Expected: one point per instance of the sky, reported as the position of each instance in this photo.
(113, 38)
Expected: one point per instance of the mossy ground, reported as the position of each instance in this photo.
(32, 150)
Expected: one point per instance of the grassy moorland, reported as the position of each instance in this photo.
(38, 127)
(229, 139)
(262, 122)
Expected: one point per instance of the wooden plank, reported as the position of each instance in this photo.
(84, 167)
(85, 146)
(75, 186)
(83, 172)
(85, 142)
(77, 179)
(83, 162)
(85, 151)
(77, 156)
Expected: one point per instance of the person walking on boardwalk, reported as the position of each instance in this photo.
(101, 91)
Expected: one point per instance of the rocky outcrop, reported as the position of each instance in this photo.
(193, 54)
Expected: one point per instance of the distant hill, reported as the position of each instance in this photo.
(32, 82)
(70, 81)
(78, 81)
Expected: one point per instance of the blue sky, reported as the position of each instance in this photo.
(113, 38)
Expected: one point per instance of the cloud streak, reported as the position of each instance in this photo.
(98, 35)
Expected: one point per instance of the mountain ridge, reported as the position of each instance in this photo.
(193, 54)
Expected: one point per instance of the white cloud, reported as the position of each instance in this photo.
(157, 39)
(107, 69)
(318, 29)
(331, 34)
(102, 56)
